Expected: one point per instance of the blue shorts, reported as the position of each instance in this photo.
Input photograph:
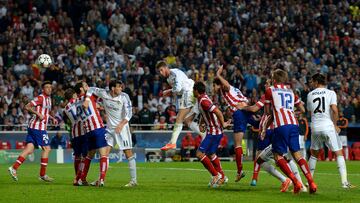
(285, 137)
(37, 137)
(80, 145)
(262, 144)
(96, 139)
(241, 118)
(210, 143)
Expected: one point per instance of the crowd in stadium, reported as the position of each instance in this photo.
(100, 40)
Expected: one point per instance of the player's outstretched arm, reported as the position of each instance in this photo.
(224, 82)
(254, 108)
(220, 116)
(99, 92)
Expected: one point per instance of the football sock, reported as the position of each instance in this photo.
(208, 165)
(217, 165)
(256, 170)
(342, 169)
(312, 164)
(238, 157)
(103, 167)
(272, 171)
(176, 132)
(18, 162)
(132, 168)
(282, 163)
(295, 170)
(85, 168)
(305, 169)
(43, 165)
(77, 161)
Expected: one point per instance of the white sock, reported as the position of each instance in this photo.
(132, 168)
(176, 132)
(342, 169)
(346, 153)
(195, 127)
(295, 170)
(304, 153)
(312, 165)
(272, 171)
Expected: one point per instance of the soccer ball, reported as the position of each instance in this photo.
(44, 60)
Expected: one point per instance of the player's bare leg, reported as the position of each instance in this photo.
(306, 171)
(132, 167)
(44, 162)
(340, 163)
(238, 137)
(177, 129)
(29, 149)
(194, 126)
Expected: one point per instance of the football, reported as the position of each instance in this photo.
(44, 60)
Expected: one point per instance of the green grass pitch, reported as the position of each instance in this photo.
(170, 182)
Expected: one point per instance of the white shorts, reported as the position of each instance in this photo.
(301, 142)
(186, 100)
(328, 137)
(344, 140)
(268, 155)
(123, 139)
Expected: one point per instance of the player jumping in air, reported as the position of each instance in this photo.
(322, 106)
(215, 123)
(286, 130)
(182, 86)
(118, 110)
(236, 100)
(37, 135)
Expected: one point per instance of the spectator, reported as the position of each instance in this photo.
(187, 147)
(145, 117)
(58, 141)
(160, 123)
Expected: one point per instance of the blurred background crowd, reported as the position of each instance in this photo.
(100, 40)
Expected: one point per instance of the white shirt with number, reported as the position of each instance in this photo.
(318, 103)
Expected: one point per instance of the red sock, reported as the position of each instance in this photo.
(305, 169)
(256, 170)
(85, 168)
(18, 162)
(208, 165)
(43, 165)
(238, 157)
(283, 164)
(103, 167)
(77, 161)
(217, 165)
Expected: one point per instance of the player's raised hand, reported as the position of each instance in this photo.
(219, 71)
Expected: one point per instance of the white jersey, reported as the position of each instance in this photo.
(318, 103)
(117, 108)
(179, 82)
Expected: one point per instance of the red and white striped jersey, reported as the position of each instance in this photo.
(42, 104)
(207, 108)
(261, 104)
(77, 127)
(283, 101)
(233, 97)
(91, 116)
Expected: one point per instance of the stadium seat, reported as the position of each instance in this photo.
(20, 145)
(355, 150)
(5, 145)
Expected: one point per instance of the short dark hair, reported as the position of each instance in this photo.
(160, 64)
(200, 87)
(78, 87)
(113, 83)
(45, 83)
(319, 78)
(69, 93)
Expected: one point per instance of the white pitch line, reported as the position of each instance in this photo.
(202, 170)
